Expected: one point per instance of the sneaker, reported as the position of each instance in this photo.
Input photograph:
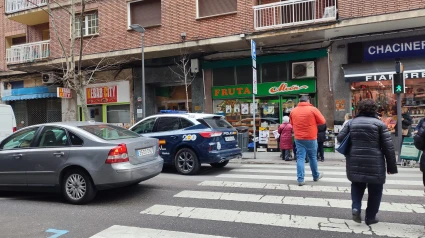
(320, 177)
(356, 216)
(371, 221)
(301, 183)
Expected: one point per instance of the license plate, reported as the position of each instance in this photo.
(229, 138)
(146, 151)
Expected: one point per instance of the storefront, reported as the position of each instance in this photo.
(371, 76)
(108, 103)
(32, 101)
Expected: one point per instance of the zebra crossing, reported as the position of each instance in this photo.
(272, 199)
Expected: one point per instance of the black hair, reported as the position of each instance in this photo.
(367, 106)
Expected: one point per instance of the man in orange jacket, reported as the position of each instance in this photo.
(305, 118)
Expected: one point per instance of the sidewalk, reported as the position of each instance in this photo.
(331, 158)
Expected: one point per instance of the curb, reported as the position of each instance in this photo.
(253, 161)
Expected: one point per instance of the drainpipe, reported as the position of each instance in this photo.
(329, 70)
(203, 82)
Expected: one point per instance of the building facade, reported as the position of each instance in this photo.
(299, 46)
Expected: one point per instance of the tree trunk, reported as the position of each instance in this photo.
(84, 107)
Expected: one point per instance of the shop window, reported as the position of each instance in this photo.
(244, 74)
(168, 124)
(210, 8)
(146, 13)
(413, 101)
(118, 114)
(224, 76)
(273, 72)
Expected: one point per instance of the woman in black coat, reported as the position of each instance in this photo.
(370, 158)
(321, 138)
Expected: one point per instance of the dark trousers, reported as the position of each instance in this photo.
(285, 154)
(373, 201)
(320, 150)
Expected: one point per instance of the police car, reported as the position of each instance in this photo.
(188, 140)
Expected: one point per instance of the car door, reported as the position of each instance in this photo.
(14, 151)
(168, 131)
(51, 152)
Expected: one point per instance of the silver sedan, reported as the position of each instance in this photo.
(77, 159)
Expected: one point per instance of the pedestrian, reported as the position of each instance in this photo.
(370, 157)
(305, 118)
(419, 140)
(321, 138)
(285, 132)
(347, 118)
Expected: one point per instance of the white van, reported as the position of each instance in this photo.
(7, 121)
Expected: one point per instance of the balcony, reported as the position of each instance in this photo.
(28, 53)
(293, 13)
(27, 12)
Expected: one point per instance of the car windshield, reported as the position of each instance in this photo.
(217, 123)
(109, 132)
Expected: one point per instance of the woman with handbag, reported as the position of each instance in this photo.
(406, 125)
(285, 138)
(369, 156)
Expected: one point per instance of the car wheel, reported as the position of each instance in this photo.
(77, 187)
(186, 162)
(219, 165)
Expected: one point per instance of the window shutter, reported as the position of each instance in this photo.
(216, 7)
(146, 13)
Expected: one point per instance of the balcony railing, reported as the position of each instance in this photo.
(28, 52)
(293, 12)
(22, 5)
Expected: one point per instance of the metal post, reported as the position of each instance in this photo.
(399, 127)
(255, 125)
(143, 77)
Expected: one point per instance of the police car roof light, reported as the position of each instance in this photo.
(172, 111)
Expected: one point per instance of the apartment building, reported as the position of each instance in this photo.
(301, 46)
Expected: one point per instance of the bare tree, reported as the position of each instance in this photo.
(184, 73)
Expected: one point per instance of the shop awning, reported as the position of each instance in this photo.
(29, 96)
(383, 70)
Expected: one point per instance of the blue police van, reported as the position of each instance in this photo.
(188, 140)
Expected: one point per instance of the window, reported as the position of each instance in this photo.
(109, 132)
(19, 140)
(215, 122)
(224, 76)
(244, 74)
(53, 137)
(145, 13)
(145, 126)
(90, 24)
(209, 8)
(274, 72)
(168, 124)
(185, 123)
(75, 140)
(118, 114)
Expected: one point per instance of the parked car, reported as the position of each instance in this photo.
(77, 159)
(8, 121)
(190, 139)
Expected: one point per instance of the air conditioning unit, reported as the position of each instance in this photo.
(303, 69)
(48, 78)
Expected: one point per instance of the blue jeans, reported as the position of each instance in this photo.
(308, 147)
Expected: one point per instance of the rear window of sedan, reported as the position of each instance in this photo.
(109, 132)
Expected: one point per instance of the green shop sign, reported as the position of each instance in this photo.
(265, 89)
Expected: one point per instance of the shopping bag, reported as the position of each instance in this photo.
(344, 147)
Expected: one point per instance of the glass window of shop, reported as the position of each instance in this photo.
(118, 114)
(272, 72)
(413, 101)
(224, 76)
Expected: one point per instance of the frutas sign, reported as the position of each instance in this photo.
(265, 89)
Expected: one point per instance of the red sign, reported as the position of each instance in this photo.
(102, 95)
(64, 93)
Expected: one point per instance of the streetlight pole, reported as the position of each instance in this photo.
(140, 29)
